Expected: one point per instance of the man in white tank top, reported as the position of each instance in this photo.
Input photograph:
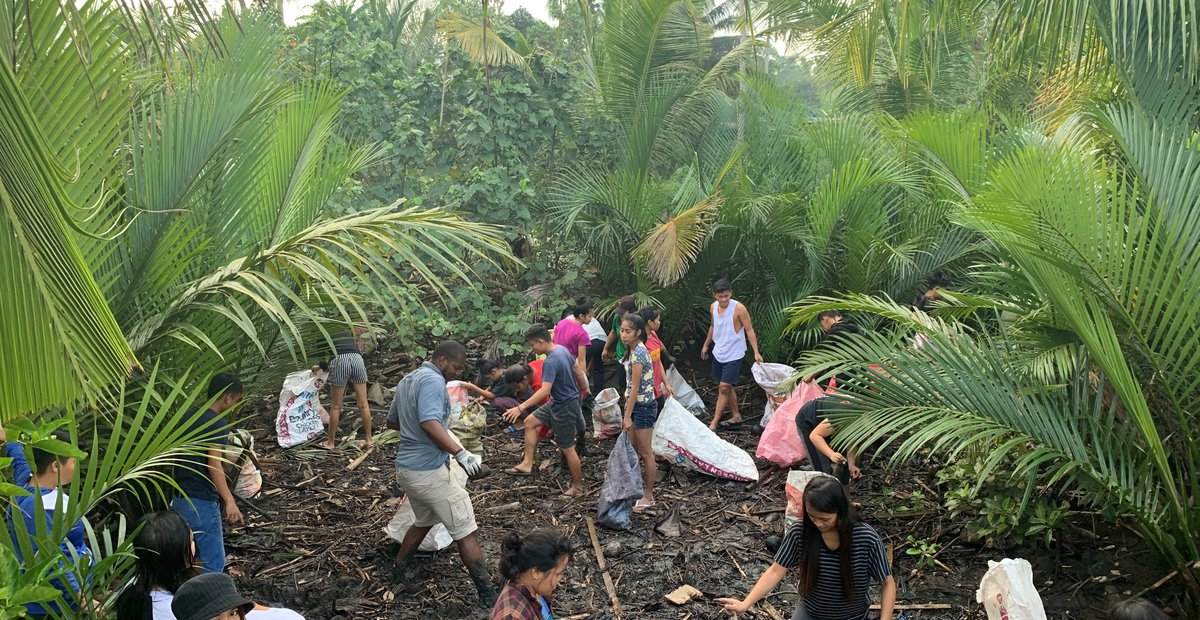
(727, 335)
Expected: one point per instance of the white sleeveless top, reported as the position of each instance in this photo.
(728, 344)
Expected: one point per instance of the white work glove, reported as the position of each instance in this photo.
(470, 463)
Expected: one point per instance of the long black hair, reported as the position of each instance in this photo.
(638, 324)
(825, 494)
(485, 368)
(542, 549)
(163, 547)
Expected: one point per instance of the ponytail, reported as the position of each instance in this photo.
(541, 549)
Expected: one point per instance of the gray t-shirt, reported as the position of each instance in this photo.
(559, 370)
(420, 397)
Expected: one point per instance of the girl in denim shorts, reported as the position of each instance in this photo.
(641, 410)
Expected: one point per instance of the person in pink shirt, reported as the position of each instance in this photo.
(662, 388)
(570, 333)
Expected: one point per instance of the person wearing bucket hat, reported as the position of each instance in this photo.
(211, 596)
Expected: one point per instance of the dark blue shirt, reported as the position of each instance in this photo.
(74, 545)
(559, 370)
(192, 473)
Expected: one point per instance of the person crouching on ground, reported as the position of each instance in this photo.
(513, 387)
(641, 410)
(838, 556)
(533, 565)
(347, 368)
(561, 378)
(489, 380)
(165, 553)
(420, 413)
(43, 484)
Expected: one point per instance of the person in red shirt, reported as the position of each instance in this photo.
(662, 388)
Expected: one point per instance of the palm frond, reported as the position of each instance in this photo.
(480, 42)
(673, 245)
(54, 320)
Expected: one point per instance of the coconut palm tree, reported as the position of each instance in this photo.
(164, 193)
(1085, 364)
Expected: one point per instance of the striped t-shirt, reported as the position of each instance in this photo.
(827, 601)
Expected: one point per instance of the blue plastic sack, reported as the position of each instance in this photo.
(622, 486)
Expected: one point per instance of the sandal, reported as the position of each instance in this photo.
(730, 426)
(641, 506)
(513, 471)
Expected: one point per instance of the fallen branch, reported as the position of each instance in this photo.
(362, 457)
(608, 582)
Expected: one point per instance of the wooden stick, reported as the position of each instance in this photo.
(362, 457)
(608, 582)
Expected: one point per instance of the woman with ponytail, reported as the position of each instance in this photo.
(533, 565)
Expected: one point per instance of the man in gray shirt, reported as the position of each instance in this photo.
(420, 413)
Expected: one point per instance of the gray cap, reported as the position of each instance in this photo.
(207, 596)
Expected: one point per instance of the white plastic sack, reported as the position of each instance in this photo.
(246, 482)
(459, 397)
(607, 414)
(769, 377)
(1006, 591)
(685, 394)
(682, 439)
(438, 537)
(299, 418)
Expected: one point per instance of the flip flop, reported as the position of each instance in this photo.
(513, 471)
(641, 506)
(730, 426)
(570, 495)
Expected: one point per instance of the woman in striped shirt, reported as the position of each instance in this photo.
(838, 557)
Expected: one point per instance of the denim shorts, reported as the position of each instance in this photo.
(645, 415)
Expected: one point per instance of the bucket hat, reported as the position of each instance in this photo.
(207, 596)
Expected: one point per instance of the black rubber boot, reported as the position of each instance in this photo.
(487, 594)
(404, 577)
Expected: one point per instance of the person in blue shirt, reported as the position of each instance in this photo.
(421, 413)
(50, 472)
(561, 378)
(202, 477)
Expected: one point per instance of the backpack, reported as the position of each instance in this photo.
(242, 472)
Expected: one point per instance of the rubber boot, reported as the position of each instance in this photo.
(483, 584)
(404, 577)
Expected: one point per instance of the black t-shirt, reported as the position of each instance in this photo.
(191, 474)
(827, 601)
(837, 332)
(344, 342)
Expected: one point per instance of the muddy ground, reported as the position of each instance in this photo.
(315, 541)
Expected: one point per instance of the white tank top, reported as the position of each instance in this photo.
(728, 344)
